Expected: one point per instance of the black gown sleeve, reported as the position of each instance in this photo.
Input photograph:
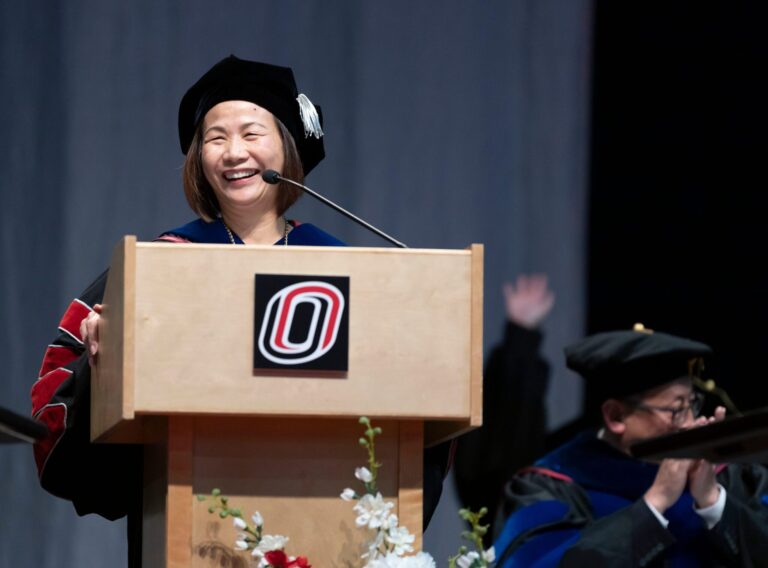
(631, 536)
(98, 478)
(514, 421)
(437, 460)
(741, 536)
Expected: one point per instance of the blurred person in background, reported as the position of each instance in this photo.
(514, 410)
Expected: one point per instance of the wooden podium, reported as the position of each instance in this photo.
(176, 373)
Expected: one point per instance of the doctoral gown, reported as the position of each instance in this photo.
(582, 505)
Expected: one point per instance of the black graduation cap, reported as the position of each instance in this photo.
(617, 364)
(269, 86)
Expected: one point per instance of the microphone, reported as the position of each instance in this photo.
(272, 177)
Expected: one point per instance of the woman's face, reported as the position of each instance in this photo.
(240, 141)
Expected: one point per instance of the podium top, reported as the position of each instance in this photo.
(740, 439)
(181, 329)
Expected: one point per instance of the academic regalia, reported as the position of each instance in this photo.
(301, 234)
(582, 505)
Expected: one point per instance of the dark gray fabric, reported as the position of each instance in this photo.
(447, 123)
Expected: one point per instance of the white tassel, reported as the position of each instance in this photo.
(309, 117)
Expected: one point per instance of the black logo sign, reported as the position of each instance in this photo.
(302, 322)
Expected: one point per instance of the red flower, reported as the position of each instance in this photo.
(278, 559)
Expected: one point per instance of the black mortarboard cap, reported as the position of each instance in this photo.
(269, 86)
(618, 364)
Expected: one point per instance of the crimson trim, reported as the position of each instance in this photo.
(54, 417)
(70, 321)
(56, 356)
(46, 386)
(548, 472)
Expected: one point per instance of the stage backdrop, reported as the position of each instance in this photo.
(447, 123)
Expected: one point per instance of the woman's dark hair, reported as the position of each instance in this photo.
(200, 194)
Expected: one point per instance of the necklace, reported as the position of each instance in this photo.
(232, 237)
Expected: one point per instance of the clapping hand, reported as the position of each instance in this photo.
(674, 474)
(701, 476)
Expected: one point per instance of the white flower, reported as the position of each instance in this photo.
(241, 545)
(372, 511)
(348, 494)
(389, 523)
(467, 560)
(373, 546)
(239, 523)
(489, 555)
(257, 519)
(363, 474)
(269, 542)
(420, 560)
(401, 539)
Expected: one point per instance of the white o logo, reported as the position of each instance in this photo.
(327, 304)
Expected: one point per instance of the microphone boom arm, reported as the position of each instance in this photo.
(271, 176)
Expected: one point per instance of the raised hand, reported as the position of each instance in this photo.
(529, 300)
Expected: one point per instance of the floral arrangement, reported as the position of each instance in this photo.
(391, 544)
(268, 549)
(390, 541)
(477, 558)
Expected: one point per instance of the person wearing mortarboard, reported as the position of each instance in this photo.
(240, 119)
(590, 503)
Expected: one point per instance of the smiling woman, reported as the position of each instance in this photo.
(239, 119)
(239, 141)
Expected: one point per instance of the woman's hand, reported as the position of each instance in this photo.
(89, 332)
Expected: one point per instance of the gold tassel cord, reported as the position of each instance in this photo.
(709, 386)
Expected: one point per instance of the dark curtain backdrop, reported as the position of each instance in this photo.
(447, 123)
(678, 200)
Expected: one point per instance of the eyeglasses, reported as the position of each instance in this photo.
(677, 414)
